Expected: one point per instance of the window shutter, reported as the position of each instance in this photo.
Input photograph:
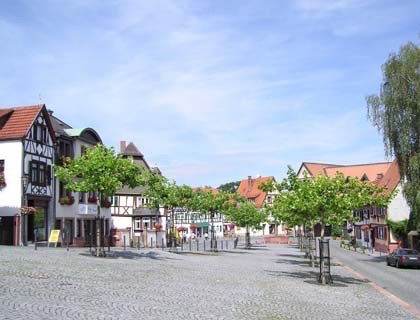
(385, 233)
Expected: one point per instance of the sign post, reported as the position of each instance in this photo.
(54, 235)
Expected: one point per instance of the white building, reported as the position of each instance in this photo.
(26, 157)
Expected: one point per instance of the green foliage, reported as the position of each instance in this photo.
(99, 169)
(245, 214)
(323, 199)
(396, 113)
(398, 228)
(230, 187)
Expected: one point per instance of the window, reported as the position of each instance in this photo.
(269, 199)
(40, 173)
(137, 224)
(115, 201)
(40, 133)
(83, 150)
(381, 233)
(63, 192)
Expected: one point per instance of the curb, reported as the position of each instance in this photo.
(389, 295)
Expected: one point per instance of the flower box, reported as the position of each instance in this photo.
(66, 200)
(92, 199)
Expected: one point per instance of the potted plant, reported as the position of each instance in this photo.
(193, 227)
(182, 229)
(231, 225)
(92, 199)
(2, 181)
(105, 203)
(158, 226)
(66, 200)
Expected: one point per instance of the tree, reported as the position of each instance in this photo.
(396, 113)
(325, 200)
(208, 202)
(167, 194)
(246, 215)
(230, 187)
(99, 170)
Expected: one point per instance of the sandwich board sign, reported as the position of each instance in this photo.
(54, 236)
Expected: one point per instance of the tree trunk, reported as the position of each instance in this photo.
(247, 238)
(99, 252)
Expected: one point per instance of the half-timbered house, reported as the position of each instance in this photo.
(369, 228)
(132, 220)
(26, 157)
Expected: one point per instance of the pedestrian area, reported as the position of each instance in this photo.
(267, 282)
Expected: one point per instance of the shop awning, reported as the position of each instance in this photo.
(202, 224)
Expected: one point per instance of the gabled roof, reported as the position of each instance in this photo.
(383, 174)
(372, 170)
(248, 188)
(316, 169)
(132, 150)
(17, 121)
(391, 178)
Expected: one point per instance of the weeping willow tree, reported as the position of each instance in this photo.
(395, 111)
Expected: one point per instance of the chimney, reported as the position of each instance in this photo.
(122, 146)
(50, 112)
(249, 183)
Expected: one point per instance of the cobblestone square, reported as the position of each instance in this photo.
(268, 282)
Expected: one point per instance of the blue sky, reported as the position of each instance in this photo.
(209, 91)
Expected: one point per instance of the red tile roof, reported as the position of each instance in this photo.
(372, 171)
(17, 121)
(317, 169)
(248, 188)
(383, 174)
(391, 178)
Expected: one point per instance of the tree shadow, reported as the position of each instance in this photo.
(311, 277)
(129, 255)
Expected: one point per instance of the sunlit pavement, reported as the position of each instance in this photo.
(267, 282)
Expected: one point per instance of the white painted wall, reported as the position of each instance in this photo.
(121, 222)
(11, 195)
(398, 209)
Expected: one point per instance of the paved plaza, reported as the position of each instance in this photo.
(268, 282)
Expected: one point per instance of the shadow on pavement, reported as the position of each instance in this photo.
(129, 255)
(311, 277)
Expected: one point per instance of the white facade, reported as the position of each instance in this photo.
(11, 195)
(398, 208)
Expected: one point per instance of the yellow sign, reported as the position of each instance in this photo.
(53, 237)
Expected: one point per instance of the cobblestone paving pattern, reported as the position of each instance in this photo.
(268, 282)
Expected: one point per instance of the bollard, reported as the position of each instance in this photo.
(190, 244)
(109, 242)
(204, 245)
(162, 243)
(197, 244)
(124, 242)
(221, 244)
(35, 240)
(138, 244)
(90, 242)
(227, 243)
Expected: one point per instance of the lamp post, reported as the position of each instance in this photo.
(23, 218)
